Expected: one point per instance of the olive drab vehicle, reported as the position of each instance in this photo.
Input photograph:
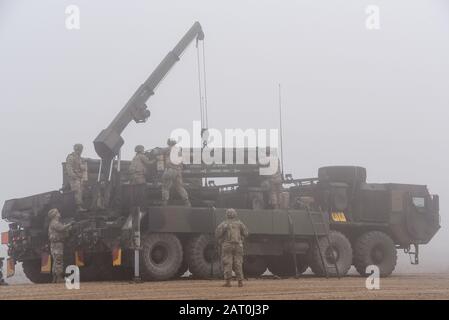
(328, 223)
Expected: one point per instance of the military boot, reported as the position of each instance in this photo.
(60, 279)
(81, 209)
(240, 283)
(227, 283)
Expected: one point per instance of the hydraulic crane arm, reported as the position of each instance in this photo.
(109, 141)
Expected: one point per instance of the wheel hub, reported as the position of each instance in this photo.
(377, 254)
(332, 255)
(159, 254)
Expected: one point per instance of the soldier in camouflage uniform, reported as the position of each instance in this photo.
(273, 184)
(76, 169)
(139, 166)
(2, 281)
(172, 176)
(231, 234)
(57, 233)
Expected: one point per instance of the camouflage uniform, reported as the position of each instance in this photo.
(57, 232)
(172, 176)
(139, 166)
(231, 234)
(76, 168)
(2, 280)
(275, 189)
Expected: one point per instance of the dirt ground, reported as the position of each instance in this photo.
(410, 286)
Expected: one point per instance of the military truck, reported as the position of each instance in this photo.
(328, 223)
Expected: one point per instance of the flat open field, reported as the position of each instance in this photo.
(410, 286)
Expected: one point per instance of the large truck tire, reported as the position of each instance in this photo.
(162, 256)
(254, 266)
(375, 248)
(347, 174)
(338, 252)
(32, 270)
(284, 266)
(202, 257)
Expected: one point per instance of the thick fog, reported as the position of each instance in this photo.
(376, 98)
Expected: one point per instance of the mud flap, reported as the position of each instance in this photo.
(10, 267)
(45, 263)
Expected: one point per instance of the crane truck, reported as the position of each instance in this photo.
(328, 223)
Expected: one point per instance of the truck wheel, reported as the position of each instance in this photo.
(161, 256)
(254, 266)
(338, 252)
(32, 270)
(202, 257)
(375, 248)
(284, 266)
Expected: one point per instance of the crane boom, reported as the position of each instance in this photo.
(109, 141)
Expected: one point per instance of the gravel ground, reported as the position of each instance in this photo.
(409, 286)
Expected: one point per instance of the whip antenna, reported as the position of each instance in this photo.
(281, 132)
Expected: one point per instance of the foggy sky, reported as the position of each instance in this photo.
(351, 96)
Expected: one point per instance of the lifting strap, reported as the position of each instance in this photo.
(202, 87)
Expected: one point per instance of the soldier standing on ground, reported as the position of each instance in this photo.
(2, 280)
(173, 176)
(231, 234)
(57, 233)
(76, 170)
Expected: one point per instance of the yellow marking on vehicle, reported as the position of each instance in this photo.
(117, 257)
(79, 258)
(10, 267)
(338, 217)
(45, 263)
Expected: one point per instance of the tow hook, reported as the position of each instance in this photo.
(414, 255)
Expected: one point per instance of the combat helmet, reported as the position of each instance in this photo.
(78, 147)
(171, 142)
(231, 213)
(53, 213)
(139, 148)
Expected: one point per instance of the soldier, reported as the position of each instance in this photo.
(274, 185)
(57, 232)
(2, 280)
(139, 166)
(172, 176)
(76, 170)
(231, 234)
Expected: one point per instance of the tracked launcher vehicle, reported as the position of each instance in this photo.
(328, 223)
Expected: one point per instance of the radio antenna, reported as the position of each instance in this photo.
(281, 131)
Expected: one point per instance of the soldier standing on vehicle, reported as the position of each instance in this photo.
(137, 171)
(76, 170)
(139, 166)
(57, 233)
(274, 186)
(231, 234)
(173, 176)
